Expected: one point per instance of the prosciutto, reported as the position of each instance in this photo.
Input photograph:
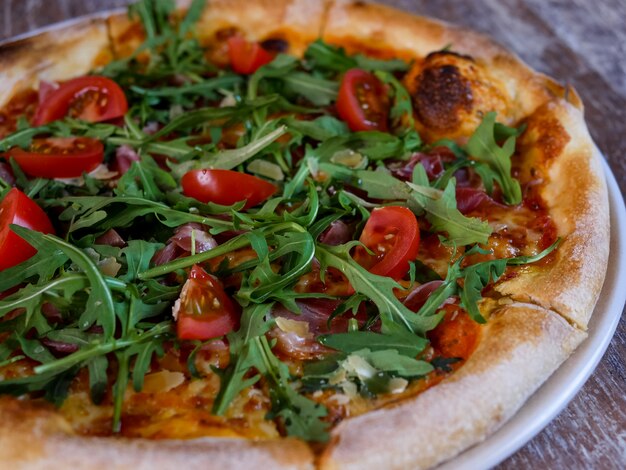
(125, 155)
(180, 243)
(111, 238)
(296, 337)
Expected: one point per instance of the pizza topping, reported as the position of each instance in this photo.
(59, 157)
(353, 278)
(362, 101)
(17, 208)
(392, 235)
(226, 187)
(203, 310)
(247, 57)
(92, 99)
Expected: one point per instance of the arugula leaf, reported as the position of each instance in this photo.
(263, 283)
(378, 289)
(229, 159)
(144, 179)
(42, 265)
(442, 213)
(394, 362)
(127, 211)
(203, 88)
(99, 306)
(138, 254)
(321, 55)
(402, 109)
(98, 380)
(32, 296)
(321, 128)
(300, 415)
(319, 91)
(233, 379)
(483, 147)
(403, 342)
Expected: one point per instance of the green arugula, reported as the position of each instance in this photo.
(483, 147)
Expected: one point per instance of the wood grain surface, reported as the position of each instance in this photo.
(579, 42)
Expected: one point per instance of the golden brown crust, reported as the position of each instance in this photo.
(56, 54)
(381, 28)
(521, 346)
(578, 204)
(33, 436)
(298, 22)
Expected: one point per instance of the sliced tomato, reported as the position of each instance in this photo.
(392, 233)
(247, 57)
(456, 335)
(204, 310)
(363, 102)
(226, 187)
(59, 157)
(91, 98)
(17, 208)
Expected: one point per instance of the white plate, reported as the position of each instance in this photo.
(561, 387)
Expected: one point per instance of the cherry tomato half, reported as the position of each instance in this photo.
(392, 233)
(17, 208)
(59, 157)
(204, 310)
(363, 102)
(456, 335)
(247, 57)
(226, 187)
(91, 98)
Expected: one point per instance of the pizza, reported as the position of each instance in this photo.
(288, 234)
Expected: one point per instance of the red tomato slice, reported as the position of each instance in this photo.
(363, 101)
(246, 57)
(17, 208)
(392, 233)
(456, 335)
(91, 98)
(204, 310)
(59, 157)
(226, 187)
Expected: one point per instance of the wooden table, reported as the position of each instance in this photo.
(580, 42)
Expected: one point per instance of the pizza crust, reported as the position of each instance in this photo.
(382, 28)
(56, 54)
(299, 22)
(36, 437)
(577, 198)
(520, 348)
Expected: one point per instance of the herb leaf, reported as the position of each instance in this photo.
(483, 147)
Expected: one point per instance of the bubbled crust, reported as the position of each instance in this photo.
(59, 53)
(498, 80)
(451, 94)
(298, 22)
(558, 144)
(520, 347)
(33, 436)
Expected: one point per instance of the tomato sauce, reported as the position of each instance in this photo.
(24, 104)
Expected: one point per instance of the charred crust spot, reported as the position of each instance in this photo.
(226, 33)
(275, 45)
(359, 4)
(441, 92)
